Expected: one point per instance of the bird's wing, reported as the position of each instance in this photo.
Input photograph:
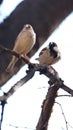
(42, 51)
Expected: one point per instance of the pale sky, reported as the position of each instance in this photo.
(7, 7)
(24, 107)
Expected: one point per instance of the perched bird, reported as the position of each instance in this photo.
(23, 44)
(49, 55)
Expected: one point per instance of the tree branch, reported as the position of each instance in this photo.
(17, 85)
(55, 83)
(11, 52)
(47, 106)
(67, 89)
(3, 105)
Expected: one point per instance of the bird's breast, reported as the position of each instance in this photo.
(47, 59)
(24, 42)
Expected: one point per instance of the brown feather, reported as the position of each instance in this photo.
(42, 51)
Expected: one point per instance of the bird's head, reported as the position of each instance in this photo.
(27, 26)
(52, 45)
(53, 49)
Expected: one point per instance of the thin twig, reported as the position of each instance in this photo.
(63, 115)
(3, 105)
(64, 95)
(22, 127)
(70, 125)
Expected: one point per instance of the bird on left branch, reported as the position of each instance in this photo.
(23, 44)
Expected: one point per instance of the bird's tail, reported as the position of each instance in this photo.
(11, 64)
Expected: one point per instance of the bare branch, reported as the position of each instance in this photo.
(17, 126)
(17, 85)
(47, 106)
(49, 71)
(55, 83)
(11, 52)
(30, 73)
(32, 69)
(67, 89)
(46, 70)
(3, 105)
(64, 95)
(2, 111)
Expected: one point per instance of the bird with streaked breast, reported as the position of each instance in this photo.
(49, 55)
(23, 44)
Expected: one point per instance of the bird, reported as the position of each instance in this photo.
(49, 55)
(23, 44)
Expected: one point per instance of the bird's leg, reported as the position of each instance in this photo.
(27, 60)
